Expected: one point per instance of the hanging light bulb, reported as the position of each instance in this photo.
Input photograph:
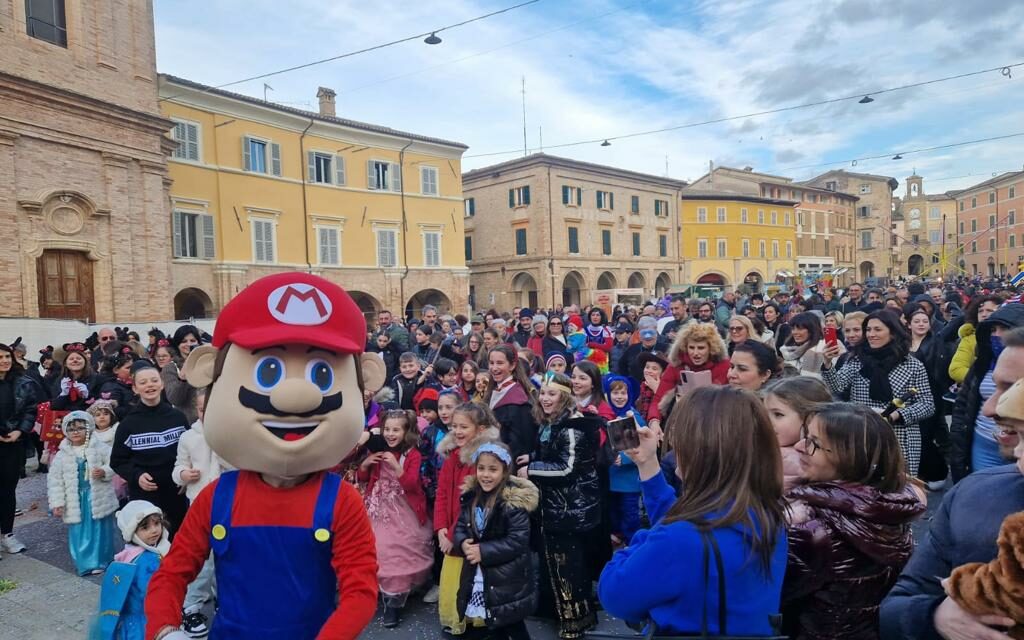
(897, 157)
(606, 144)
(432, 39)
(866, 100)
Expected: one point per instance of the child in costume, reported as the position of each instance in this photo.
(493, 535)
(431, 467)
(79, 491)
(472, 425)
(398, 513)
(623, 477)
(124, 588)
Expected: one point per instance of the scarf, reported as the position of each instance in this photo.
(875, 365)
(161, 548)
(794, 351)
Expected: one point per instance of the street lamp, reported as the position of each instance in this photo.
(432, 39)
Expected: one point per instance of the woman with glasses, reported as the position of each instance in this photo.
(884, 376)
(740, 330)
(849, 532)
(554, 339)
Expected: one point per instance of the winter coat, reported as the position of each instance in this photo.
(515, 415)
(963, 529)
(844, 559)
(807, 363)
(121, 392)
(968, 400)
(458, 465)
(962, 360)
(26, 397)
(432, 461)
(554, 345)
(62, 481)
(628, 365)
(179, 393)
(63, 402)
(909, 373)
(195, 453)
(510, 593)
(935, 354)
(564, 467)
(412, 488)
(404, 389)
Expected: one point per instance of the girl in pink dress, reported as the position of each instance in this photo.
(397, 508)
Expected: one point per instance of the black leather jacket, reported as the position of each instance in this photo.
(564, 467)
(26, 396)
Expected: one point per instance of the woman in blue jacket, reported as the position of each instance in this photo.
(660, 576)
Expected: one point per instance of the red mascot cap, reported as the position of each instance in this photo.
(292, 308)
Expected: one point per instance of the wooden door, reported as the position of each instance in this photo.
(65, 285)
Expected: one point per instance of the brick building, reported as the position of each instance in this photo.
(989, 225)
(83, 175)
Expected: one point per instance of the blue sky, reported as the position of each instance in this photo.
(603, 68)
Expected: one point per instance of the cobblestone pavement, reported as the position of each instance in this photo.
(49, 601)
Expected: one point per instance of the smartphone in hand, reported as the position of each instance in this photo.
(622, 434)
(831, 336)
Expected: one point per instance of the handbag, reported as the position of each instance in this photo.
(651, 629)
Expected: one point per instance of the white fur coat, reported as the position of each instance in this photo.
(62, 481)
(194, 453)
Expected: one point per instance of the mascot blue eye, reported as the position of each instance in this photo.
(320, 373)
(269, 372)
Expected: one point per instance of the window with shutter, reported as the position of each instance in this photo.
(386, 254)
(176, 218)
(606, 242)
(396, 176)
(339, 171)
(636, 243)
(246, 154)
(526, 195)
(432, 249)
(275, 158)
(702, 248)
(634, 205)
(746, 248)
(565, 194)
(469, 248)
(470, 207)
(520, 242)
(574, 240)
(428, 181)
(209, 250)
(511, 198)
(663, 246)
(263, 240)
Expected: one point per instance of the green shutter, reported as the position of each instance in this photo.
(511, 198)
(565, 194)
(526, 195)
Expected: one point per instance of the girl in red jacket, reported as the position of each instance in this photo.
(472, 425)
(397, 508)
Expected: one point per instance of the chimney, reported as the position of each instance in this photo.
(326, 97)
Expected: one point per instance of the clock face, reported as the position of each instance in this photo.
(915, 224)
(915, 214)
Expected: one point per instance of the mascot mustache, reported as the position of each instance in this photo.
(261, 404)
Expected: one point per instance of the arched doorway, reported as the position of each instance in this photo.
(662, 284)
(637, 280)
(915, 265)
(572, 287)
(715, 279)
(606, 281)
(753, 281)
(422, 298)
(192, 303)
(524, 290)
(867, 270)
(369, 305)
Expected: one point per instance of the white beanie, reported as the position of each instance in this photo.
(133, 513)
(75, 416)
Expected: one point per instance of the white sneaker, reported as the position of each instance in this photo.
(10, 544)
(432, 595)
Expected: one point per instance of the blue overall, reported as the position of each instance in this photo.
(272, 582)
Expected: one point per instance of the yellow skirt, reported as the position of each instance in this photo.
(452, 619)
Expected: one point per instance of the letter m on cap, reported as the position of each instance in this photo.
(299, 304)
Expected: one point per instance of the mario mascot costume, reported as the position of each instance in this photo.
(292, 544)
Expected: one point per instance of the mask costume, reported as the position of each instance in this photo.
(286, 369)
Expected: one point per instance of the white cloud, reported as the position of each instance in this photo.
(644, 67)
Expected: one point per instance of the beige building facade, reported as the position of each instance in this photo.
(546, 231)
(83, 172)
(925, 230)
(876, 247)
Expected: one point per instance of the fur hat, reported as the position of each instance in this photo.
(102, 404)
(75, 416)
(133, 513)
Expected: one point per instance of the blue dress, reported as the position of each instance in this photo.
(91, 541)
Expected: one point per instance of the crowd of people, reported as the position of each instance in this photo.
(784, 446)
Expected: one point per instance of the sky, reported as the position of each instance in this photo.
(598, 69)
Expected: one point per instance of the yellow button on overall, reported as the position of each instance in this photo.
(322, 535)
(219, 532)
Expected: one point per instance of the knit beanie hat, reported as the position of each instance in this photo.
(1011, 403)
(131, 516)
(76, 416)
(555, 357)
(576, 321)
(540, 318)
(101, 405)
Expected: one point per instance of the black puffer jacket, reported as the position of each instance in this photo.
(26, 396)
(564, 467)
(844, 559)
(968, 400)
(504, 552)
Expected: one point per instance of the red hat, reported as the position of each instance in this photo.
(576, 320)
(426, 398)
(292, 308)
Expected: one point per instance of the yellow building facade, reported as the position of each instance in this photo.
(733, 240)
(259, 188)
